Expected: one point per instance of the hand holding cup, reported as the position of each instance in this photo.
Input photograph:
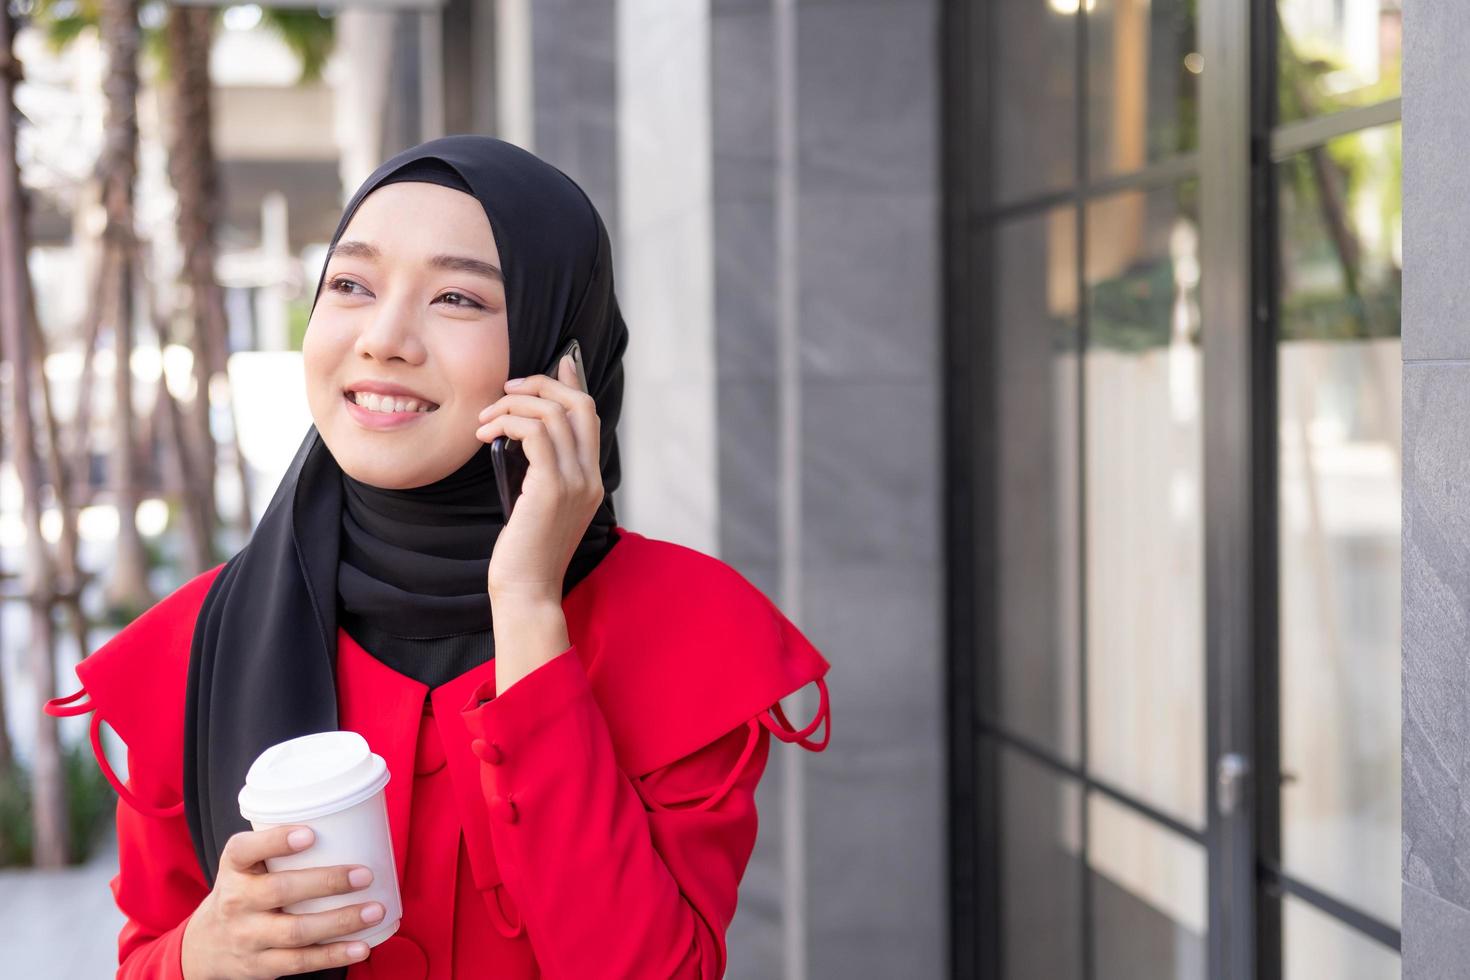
(239, 930)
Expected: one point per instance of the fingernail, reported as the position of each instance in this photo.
(357, 950)
(359, 877)
(372, 913)
(299, 838)
(514, 382)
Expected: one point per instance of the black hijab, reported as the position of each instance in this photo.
(413, 564)
(263, 659)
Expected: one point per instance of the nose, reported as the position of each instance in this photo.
(392, 331)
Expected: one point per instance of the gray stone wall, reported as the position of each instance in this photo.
(829, 330)
(1436, 665)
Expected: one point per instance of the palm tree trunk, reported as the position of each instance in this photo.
(195, 177)
(80, 455)
(179, 469)
(118, 166)
(71, 578)
(48, 806)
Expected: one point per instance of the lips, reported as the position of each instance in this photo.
(387, 404)
(381, 420)
(386, 389)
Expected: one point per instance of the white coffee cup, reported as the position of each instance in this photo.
(333, 783)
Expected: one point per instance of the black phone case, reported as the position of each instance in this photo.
(506, 454)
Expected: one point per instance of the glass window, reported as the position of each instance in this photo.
(1144, 527)
(1143, 83)
(1336, 54)
(1035, 394)
(1034, 98)
(1041, 873)
(1318, 945)
(1148, 897)
(1341, 464)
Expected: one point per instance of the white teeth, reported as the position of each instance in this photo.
(382, 403)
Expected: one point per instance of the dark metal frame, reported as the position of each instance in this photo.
(973, 830)
(1240, 142)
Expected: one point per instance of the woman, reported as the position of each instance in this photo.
(574, 716)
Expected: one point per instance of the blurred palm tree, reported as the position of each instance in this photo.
(22, 345)
(184, 62)
(182, 48)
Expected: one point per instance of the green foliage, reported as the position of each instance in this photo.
(1131, 312)
(308, 33)
(90, 805)
(63, 21)
(299, 312)
(15, 816)
(90, 798)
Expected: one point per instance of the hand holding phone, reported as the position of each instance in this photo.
(505, 453)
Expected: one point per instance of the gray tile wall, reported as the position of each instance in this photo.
(1436, 583)
(574, 81)
(868, 321)
(867, 109)
(870, 837)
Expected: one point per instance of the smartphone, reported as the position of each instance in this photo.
(506, 454)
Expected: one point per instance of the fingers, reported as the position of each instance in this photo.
(580, 409)
(535, 441)
(243, 851)
(551, 415)
(285, 930)
(305, 959)
(282, 888)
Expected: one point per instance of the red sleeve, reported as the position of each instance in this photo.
(136, 681)
(158, 886)
(614, 877)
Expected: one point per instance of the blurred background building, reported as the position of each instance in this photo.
(1040, 358)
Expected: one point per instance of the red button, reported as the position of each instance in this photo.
(429, 753)
(505, 810)
(398, 958)
(488, 752)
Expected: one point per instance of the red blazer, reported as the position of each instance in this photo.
(595, 821)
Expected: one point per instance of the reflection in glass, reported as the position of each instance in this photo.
(1317, 945)
(1336, 54)
(1341, 464)
(1148, 897)
(1035, 395)
(1041, 872)
(1143, 83)
(1034, 104)
(1145, 535)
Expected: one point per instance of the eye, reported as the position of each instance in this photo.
(459, 300)
(337, 284)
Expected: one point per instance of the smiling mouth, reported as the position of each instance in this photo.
(388, 404)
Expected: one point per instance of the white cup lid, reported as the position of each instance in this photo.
(311, 776)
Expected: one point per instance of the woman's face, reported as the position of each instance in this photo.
(412, 309)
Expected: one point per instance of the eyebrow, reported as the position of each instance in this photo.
(458, 263)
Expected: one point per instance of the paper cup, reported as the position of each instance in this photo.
(333, 783)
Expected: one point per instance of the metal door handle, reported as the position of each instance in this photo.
(1231, 770)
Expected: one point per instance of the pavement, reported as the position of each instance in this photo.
(60, 925)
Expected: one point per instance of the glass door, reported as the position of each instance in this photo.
(1330, 269)
(1173, 288)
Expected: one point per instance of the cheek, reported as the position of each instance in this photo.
(322, 351)
(476, 365)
